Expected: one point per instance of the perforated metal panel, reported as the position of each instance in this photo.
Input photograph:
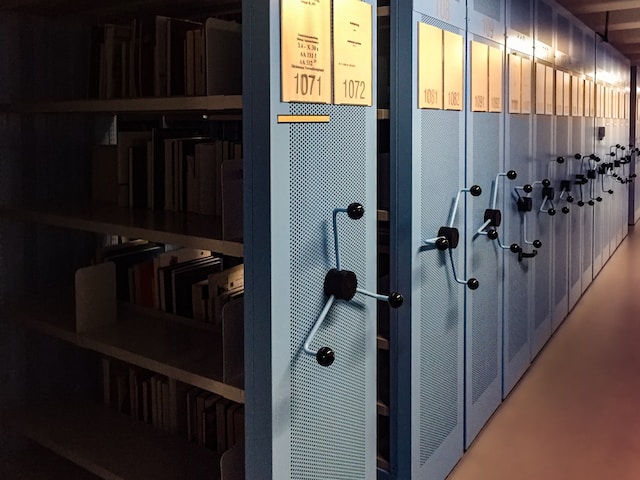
(576, 232)
(483, 335)
(540, 228)
(327, 410)
(517, 274)
(561, 222)
(441, 317)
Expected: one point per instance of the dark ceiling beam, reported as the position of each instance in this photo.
(624, 37)
(578, 7)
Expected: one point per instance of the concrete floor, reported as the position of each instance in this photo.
(576, 412)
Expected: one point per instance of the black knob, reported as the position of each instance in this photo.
(623, 148)
(537, 243)
(593, 156)
(615, 175)
(475, 190)
(577, 156)
(551, 212)
(580, 203)
(395, 300)
(560, 159)
(515, 248)
(355, 211)
(633, 175)
(325, 356)
(618, 145)
(442, 244)
(612, 154)
(512, 175)
(610, 192)
(492, 234)
(473, 284)
(599, 199)
(342, 284)
(546, 182)
(591, 202)
(570, 199)
(527, 188)
(565, 210)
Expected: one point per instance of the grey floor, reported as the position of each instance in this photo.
(576, 412)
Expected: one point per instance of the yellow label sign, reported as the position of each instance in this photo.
(479, 77)
(541, 74)
(574, 96)
(548, 90)
(515, 84)
(495, 79)
(453, 71)
(429, 67)
(559, 92)
(566, 95)
(352, 52)
(526, 85)
(305, 49)
(580, 97)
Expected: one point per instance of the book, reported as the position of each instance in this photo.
(208, 165)
(160, 68)
(138, 172)
(177, 29)
(222, 286)
(223, 51)
(126, 140)
(190, 405)
(221, 424)
(182, 280)
(165, 281)
(104, 174)
(172, 257)
(125, 260)
(200, 300)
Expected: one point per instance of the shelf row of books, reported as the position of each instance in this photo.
(188, 282)
(173, 170)
(162, 56)
(193, 289)
(200, 417)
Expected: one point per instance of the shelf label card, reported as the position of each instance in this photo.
(566, 95)
(574, 95)
(305, 50)
(559, 92)
(541, 74)
(352, 52)
(453, 71)
(580, 97)
(515, 83)
(548, 90)
(479, 77)
(495, 79)
(429, 67)
(526, 85)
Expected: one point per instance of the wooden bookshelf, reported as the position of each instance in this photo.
(110, 445)
(185, 229)
(211, 103)
(180, 349)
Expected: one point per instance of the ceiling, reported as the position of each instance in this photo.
(617, 21)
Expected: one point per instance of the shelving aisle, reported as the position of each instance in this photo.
(574, 415)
